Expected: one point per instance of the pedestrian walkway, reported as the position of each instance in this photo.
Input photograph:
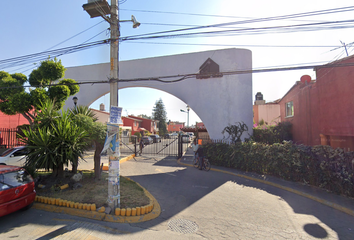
(333, 200)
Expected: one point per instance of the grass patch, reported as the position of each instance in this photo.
(92, 191)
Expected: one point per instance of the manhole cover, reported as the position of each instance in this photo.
(182, 226)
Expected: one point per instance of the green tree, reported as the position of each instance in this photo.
(55, 141)
(159, 113)
(14, 99)
(145, 116)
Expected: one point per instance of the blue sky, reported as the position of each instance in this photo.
(29, 27)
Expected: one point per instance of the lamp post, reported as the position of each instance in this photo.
(188, 108)
(101, 8)
(75, 99)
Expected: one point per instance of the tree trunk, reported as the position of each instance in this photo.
(58, 172)
(29, 119)
(75, 163)
(97, 159)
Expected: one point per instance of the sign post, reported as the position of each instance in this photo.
(112, 144)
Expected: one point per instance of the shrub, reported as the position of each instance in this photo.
(138, 134)
(270, 134)
(320, 166)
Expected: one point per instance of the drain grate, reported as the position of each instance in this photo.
(182, 226)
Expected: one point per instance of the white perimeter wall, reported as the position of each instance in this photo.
(217, 101)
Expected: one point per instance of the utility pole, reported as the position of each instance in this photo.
(113, 175)
(96, 8)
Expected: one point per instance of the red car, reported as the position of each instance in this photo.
(16, 189)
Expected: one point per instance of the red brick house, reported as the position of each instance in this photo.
(322, 111)
(146, 124)
(174, 126)
(135, 124)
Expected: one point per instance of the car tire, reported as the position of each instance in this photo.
(27, 207)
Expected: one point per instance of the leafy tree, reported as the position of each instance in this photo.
(14, 99)
(56, 140)
(235, 132)
(159, 113)
(145, 116)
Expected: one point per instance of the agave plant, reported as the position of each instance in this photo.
(54, 143)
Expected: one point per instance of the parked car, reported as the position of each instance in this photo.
(167, 136)
(16, 189)
(156, 138)
(174, 135)
(147, 140)
(186, 138)
(14, 156)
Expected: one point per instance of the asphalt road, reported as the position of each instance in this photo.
(195, 205)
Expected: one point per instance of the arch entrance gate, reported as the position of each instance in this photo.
(218, 100)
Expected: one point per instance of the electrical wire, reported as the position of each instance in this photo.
(62, 43)
(257, 20)
(44, 55)
(260, 30)
(209, 15)
(239, 45)
(194, 75)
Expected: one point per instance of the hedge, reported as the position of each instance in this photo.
(321, 166)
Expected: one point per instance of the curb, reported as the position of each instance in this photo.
(317, 199)
(153, 210)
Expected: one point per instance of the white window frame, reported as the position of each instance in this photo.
(289, 106)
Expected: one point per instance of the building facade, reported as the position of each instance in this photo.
(322, 111)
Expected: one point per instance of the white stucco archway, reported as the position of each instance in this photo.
(217, 101)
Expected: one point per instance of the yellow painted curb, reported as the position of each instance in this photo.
(122, 160)
(317, 199)
(78, 209)
(72, 211)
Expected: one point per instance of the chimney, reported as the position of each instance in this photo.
(102, 107)
(259, 99)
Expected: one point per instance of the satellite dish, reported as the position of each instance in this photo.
(305, 78)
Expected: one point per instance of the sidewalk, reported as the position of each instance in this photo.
(333, 200)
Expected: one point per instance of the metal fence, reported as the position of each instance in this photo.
(163, 147)
(8, 138)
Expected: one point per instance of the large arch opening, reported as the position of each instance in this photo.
(141, 100)
(219, 100)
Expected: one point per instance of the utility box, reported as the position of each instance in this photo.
(97, 8)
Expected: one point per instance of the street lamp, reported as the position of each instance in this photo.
(188, 108)
(96, 8)
(75, 99)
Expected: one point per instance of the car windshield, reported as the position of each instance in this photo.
(14, 179)
(7, 152)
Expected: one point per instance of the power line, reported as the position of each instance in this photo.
(243, 31)
(194, 75)
(209, 15)
(239, 45)
(5, 63)
(283, 17)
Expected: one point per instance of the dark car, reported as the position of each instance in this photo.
(156, 138)
(16, 189)
(147, 140)
(167, 136)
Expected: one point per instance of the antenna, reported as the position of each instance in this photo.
(345, 46)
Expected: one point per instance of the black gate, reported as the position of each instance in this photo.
(172, 146)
